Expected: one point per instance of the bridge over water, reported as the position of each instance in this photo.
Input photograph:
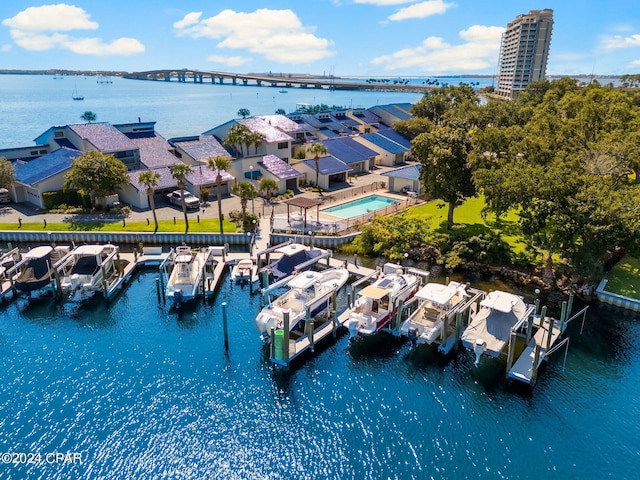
(280, 81)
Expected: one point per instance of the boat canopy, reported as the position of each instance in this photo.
(303, 280)
(374, 292)
(503, 302)
(38, 252)
(437, 293)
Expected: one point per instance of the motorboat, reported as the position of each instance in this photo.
(489, 328)
(307, 291)
(244, 270)
(376, 304)
(36, 269)
(292, 258)
(87, 269)
(185, 272)
(436, 304)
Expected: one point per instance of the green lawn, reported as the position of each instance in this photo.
(208, 225)
(467, 217)
(624, 278)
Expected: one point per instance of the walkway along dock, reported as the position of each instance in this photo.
(539, 345)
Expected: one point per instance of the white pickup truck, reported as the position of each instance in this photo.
(190, 200)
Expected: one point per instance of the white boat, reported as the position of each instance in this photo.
(244, 270)
(490, 327)
(36, 269)
(376, 304)
(87, 269)
(307, 290)
(438, 303)
(185, 272)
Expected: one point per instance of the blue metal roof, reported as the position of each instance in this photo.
(328, 165)
(46, 166)
(384, 143)
(278, 167)
(398, 111)
(410, 172)
(327, 132)
(394, 136)
(348, 150)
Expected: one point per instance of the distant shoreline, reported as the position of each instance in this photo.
(120, 73)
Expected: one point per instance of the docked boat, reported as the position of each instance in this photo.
(88, 269)
(36, 269)
(490, 327)
(376, 304)
(244, 270)
(75, 95)
(308, 290)
(438, 303)
(292, 258)
(185, 273)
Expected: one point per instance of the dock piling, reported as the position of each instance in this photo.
(224, 326)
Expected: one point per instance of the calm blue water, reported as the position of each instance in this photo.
(30, 104)
(141, 392)
(359, 207)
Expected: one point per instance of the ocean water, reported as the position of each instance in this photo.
(31, 104)
(132, 390)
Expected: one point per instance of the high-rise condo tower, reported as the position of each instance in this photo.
(524, 52)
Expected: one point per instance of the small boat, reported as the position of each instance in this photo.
(308, 290)
(36, 269)
(185, 273)
(490, 327)
(75, 95)
(376, 304)
(88, 269)
(283, 91)
(245, 270)
(438, 303)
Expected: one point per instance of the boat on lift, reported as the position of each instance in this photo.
(307, 291)
(489, 328)
(88, 269)
(245, 270)
(437, 303)
(376, 304)
(36, 269)
(185, 272)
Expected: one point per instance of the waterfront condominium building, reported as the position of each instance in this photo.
(524, 52)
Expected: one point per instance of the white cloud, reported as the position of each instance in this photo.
(45, 28)
(51, 18)
(635, 63)
(421, 10)
(235, 61)
(479, 52)
(6, 47)
(618, 41)
(278, 35)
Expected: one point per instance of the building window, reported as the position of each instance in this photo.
(283, 145)
(58, 134)
(33, 152)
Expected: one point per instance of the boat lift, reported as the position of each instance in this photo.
(539, 345)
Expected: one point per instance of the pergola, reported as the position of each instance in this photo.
(303, 203)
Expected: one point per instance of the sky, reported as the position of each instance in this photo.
(340, 37)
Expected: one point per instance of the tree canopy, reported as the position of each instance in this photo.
(96, 173)
(7, 173)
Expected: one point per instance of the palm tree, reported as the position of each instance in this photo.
(237, 137)
(269, 186)
(280, 111)
(244, 112)
(180, 171)
(256, 138)
(218, 164)
(245, 191)
(317, 149)
(88, 116)
(150, 180)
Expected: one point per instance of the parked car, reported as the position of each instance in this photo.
(4, 195)
(190, 200)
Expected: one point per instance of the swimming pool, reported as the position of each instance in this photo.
(361, 206)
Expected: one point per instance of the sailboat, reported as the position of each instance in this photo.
(75, 95)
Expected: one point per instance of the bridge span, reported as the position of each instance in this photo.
(280, 81)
